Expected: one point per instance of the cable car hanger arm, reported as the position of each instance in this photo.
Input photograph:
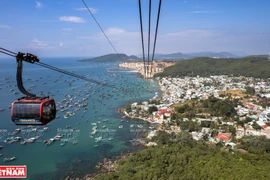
(20, 58)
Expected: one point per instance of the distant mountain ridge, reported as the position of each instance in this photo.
(111, 58)
(164, 57)
(180, 55)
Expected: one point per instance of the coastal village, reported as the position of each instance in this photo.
(154, 67)
(252, 111)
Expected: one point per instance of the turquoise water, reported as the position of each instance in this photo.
(75, 160)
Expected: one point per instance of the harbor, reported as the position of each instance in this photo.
(87, 126)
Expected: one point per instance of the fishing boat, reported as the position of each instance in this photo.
(75, 142)
(121, 126)
(9, 139)
(140, 126)
(98, 139)
(9, 159)
(13, 140)
(30, 140)
(105, 120)
(1, 147)
(15, 132)
(62, 144)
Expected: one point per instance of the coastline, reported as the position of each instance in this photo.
(140, 67)
(108, 165)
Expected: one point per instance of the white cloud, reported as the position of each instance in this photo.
(197, 7)
(123, 41)
(115, 31)
(204, 12)
(191, 33)
(93, 10)
(66, 29)
(38, 4)
(185, 41)
(37, 44)
(4, 26)
(61, 44)
(74, 19)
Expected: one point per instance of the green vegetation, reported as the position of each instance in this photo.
(111, 58)
(128, 108)
(250, 90)
(152, 109)
(249, 66)
(182, 157)
(258, 145)
(211, 106)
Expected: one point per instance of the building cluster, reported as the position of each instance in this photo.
(179, 90)
(145, 69)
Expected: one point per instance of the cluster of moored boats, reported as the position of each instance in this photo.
(7, 159)
(70, 104)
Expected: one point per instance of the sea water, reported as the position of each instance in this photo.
(74, 160)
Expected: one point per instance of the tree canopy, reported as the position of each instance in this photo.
(184, 158)
(249, 66)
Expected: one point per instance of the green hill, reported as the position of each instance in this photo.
(111, 58)
(257, 67)
(185, 158)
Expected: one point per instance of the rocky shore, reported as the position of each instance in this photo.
(122, 111)
(106, 166)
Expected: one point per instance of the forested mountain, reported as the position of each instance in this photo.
(257, 67)
(182, 157)
(111, 58)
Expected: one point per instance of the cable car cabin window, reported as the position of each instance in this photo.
(26, 110)
(49, 111)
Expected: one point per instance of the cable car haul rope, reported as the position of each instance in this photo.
(31, 109)
(34, 110)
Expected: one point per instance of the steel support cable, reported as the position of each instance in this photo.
(140, 12)
(102, 30)
(72, 74)
(7, 53)
(10, 53)
(149, 30)
(154, 47)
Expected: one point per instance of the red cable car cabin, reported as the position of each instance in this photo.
(33, 111)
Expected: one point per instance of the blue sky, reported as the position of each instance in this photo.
(65, 27)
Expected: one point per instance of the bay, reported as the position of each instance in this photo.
(76, 160)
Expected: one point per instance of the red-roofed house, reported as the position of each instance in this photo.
(265, 126)
(166, 112)
(250, 106)
(223, 137)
